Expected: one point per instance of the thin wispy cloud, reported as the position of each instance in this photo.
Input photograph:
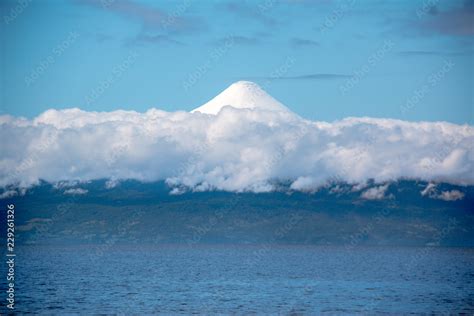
(303, 42)
(421, 53)
(101, 37)
(236, 40)
(251, 12)
(153, 39)
(149, 16)
(457, 21)
(163, 25)
(316, 76)
(309, 2)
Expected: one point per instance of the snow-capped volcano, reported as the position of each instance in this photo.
(242, 95)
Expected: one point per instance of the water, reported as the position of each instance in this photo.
(257, 279)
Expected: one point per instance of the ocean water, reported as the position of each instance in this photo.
(253, 279)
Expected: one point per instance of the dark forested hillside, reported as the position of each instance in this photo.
(134, 212)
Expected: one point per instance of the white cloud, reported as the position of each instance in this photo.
(336, 189)
(429, 190)
(111, 183)
(76, 191)
(359, 186)
(452, 195)
(8, 194)
(375, 193)
(65, 184)
(236, 150)
(432, 192)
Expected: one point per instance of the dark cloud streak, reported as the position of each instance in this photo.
(413, 53)
(255, 12)
(149, 16)
(317, 76)
(158, 26)
(457, 21)
(153, 39)
(302, 42)
(237, 39)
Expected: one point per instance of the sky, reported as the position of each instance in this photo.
(325, 60)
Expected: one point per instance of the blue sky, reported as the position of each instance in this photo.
(325, 59)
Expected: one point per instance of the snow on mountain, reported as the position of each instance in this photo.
(242, 95)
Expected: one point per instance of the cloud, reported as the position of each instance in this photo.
(376, 193)
(301, 42)
(359, 186)
(158, 26)
(154, 39)
(149, 16)
(236, 150)
(452, 195)
(8, 194)
(424, 53)
(455, 21)
(316, 76)
(110, 184)
(101, 37)
(432, 192)
(319, 76)
(34, 223)
(256, 12)
(309, 2)
(428, 190)
(236, 40)
(76, 191)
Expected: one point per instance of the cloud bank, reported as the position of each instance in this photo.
(236, 150)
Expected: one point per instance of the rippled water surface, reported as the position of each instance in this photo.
(258, 279)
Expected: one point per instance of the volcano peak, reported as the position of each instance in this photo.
(242, 95)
